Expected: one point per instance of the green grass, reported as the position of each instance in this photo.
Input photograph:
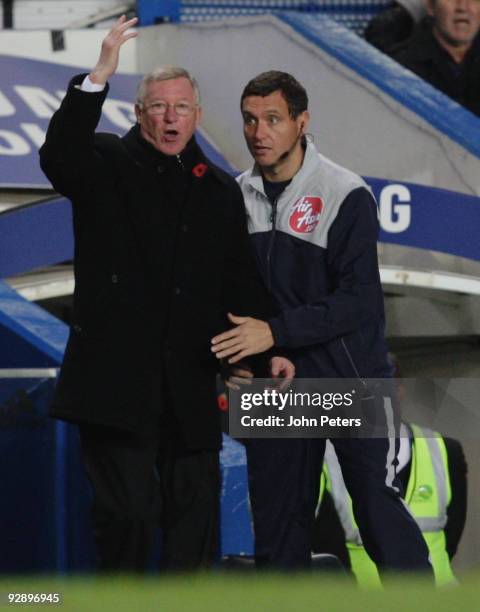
(242, 593)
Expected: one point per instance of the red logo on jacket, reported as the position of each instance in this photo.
(305, 214)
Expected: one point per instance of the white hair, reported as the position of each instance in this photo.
(166, 73)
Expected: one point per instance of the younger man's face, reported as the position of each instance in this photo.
(269, 129)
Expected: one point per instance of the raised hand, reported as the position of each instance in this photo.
(109, 55)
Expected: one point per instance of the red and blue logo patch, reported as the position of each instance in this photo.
(305, 214)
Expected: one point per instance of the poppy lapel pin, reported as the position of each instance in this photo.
(199, 170)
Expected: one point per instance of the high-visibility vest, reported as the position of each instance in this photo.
(427, 497)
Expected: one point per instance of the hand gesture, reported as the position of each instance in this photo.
(239, 376)
(109, 55)
(282, 370)
(249, 337)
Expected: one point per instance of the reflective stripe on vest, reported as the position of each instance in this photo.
(428, 491)
(428, 496)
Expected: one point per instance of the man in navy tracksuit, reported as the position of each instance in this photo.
(314, 228)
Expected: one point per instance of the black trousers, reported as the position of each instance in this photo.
(141, 484)
(284, 477)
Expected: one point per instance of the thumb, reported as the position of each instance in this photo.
(237, 320)
(275, 368)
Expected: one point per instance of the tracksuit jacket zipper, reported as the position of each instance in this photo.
(273, 219)
(352, 363)
(350, 358)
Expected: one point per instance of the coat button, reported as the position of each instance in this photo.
(177, 291)
(161, 169)
(114, 278)
(76, 328)
(185, 228)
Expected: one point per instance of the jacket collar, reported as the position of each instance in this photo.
(308, 167)
(145, 153)
(425, 43)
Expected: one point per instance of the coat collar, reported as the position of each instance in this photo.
(309, 166)
(145, 153)
(191, 156)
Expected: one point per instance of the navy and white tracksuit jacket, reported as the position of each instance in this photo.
(317, 250)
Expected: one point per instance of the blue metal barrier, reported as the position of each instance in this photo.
(424, 217)
(30, 533)
(45, 510)
(354, 14)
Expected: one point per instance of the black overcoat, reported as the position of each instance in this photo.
(161, 255)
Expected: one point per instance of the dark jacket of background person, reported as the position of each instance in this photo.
(161, 255)
(423, 55)
(390, 27)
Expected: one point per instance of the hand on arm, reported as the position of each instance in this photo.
(249, 337)
(109, 55)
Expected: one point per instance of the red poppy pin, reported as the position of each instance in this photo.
(199, 170)
(222, 401)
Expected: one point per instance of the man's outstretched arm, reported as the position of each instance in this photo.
(67, 156)
(355, 300)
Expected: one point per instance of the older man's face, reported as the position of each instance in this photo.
(168, 131)
(456, 22)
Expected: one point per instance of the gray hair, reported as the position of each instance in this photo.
(166, 73)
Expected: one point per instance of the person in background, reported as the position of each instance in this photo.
(162, 254)
(433, 474)
(444, 50)
(394, 24)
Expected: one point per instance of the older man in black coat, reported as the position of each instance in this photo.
(161, 256)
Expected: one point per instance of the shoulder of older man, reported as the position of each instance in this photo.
(421, 45)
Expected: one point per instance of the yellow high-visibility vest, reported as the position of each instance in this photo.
(428, 496)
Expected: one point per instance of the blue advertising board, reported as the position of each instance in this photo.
(428, 217)
(410, 215)
(30, 92)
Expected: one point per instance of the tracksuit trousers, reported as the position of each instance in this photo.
(284, 478)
